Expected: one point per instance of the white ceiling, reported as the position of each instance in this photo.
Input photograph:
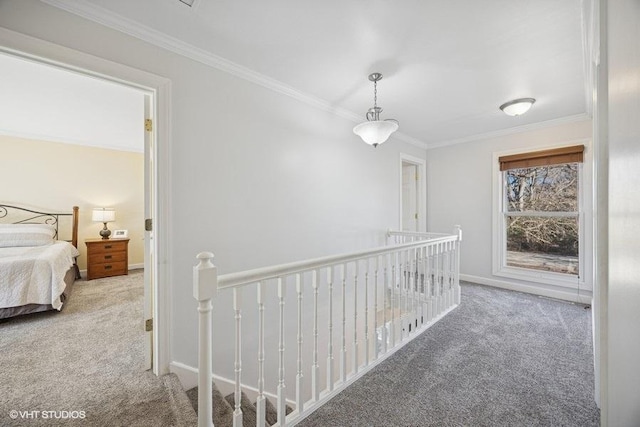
(448, 64)
(43, 102)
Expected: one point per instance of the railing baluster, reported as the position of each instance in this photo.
(299, 375)
(414, 275)
(414, 288)
(205, 288)
(418, 288)
(315, 369)
(400, 295)
(261, 408)
(385, 335)
(440, 298)
(355, 318)
(366, 313)
(445, 278)
(330, 343)
(449, 274)
(438, 293)
(237, 308)
(429, 282)
(392, 326)
(423, 286)
(433, 261)
(343, 351)
(445, 275)
(282, 414)
(407, 291)
(458, 232)
(405, 283)
(375, 308)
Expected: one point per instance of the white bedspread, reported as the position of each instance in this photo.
(34, 274)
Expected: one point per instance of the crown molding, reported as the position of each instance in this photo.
(128, 26)
(514, 130)
(409, 140)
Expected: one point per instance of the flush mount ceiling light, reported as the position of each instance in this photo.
(517, 107)
(375, 131)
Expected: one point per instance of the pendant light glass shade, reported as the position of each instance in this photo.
(375, 131)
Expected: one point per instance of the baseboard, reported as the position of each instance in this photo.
(188, 376)
(582, 296)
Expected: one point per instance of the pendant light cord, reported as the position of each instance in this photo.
(375, 94)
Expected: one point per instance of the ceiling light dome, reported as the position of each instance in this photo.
(517, 107)
(375, 131)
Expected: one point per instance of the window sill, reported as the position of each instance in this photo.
(544, 277)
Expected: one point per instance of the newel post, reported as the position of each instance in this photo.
(205, 288)
(457, 230)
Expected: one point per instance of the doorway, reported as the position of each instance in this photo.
(412, 194)
(148, 97)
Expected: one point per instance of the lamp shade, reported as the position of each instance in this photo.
(375, 132)
(517, 107)
(103, 215)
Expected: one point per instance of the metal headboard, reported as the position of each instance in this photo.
(28, 216)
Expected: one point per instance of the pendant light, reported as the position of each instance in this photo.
(375, 131)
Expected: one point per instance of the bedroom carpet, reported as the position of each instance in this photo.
(501, 358)
(89, 357)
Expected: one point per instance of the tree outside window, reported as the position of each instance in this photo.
(541, 217)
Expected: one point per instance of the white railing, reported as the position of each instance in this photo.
(386, 297)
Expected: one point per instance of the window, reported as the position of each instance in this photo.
(540, 215)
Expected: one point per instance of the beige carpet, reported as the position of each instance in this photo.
(86, 360)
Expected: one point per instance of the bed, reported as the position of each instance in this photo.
(37, 266)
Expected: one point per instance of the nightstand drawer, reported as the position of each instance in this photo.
(109, 246)
(108, 269)
(108, 257)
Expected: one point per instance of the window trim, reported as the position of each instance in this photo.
(585, 252)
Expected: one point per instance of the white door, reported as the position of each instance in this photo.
(149, 253)
(409, 197)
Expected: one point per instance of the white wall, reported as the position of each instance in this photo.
(621, 333)
(55, 176)
(256, 177)
(460, 185)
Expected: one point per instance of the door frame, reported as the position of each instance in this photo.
(421, 189)
(36, 50)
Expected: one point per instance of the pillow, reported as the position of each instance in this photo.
(13, 235)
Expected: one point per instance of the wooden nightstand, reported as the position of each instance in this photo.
(107, 258)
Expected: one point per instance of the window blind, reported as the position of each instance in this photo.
(554, 156)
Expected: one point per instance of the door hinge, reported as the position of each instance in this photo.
(416, 216)
(417, 176)
(148, 224)
(148, 125)
(148, 325)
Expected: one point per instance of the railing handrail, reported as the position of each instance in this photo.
(420, 284)
(231, 280)
(414, 233)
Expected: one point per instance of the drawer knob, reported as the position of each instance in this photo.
(107, 267)
(107, 246)
(108, 256)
